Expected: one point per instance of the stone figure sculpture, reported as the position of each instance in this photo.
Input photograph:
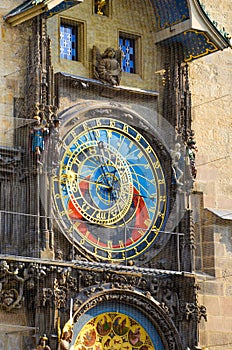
(43, 343)
(191, 152)
(176, 158)
(38, 133)
(100, 4)
(107, 67)
(66, 336)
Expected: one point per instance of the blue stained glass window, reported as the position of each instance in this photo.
(68, 42)
(127, 45)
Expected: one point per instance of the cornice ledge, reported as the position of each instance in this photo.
(127, 269)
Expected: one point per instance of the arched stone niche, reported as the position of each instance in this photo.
(118, 319)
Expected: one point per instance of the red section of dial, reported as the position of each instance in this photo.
(140, 213)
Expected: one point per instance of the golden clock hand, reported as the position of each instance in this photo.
(101, 149)
(100, 146)
(72, 176)
(93, 182)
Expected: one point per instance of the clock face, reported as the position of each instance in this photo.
(109, 190)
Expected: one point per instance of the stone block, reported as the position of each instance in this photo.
(212, 304)
(212, 288)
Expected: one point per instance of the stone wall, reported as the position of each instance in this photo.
(12, 329)
(13, 54)
(215, 290)
(211, 82)
(213, 229)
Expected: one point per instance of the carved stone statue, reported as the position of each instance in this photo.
(38, 133)
(100, 4)
(176, 157)
(11, 291)
(42, 343)
(66, 337)
(168, 297)
(191, 152)
(107, 67)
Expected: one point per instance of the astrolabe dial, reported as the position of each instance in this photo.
(99, 183)
(109, 191)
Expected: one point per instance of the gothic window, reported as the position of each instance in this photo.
(70, 40)
(129, 44)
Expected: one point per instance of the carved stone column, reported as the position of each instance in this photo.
(39, 102)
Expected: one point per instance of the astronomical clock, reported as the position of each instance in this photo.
(111, 189)
(112, 195)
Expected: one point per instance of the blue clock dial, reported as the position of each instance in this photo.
(109, 190)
